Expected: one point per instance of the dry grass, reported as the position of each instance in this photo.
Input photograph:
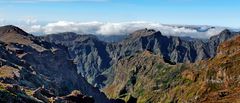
(8, 72)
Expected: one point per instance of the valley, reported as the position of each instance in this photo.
(145, 66)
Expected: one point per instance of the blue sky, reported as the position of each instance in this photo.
(191, 12)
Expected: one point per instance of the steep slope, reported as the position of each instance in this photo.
(223, 72)
(144, 76)
(147, 78)
(89, 53)
(172, 48)
(217, 39)
(39, 63)
(94, 58)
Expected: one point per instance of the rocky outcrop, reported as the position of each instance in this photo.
(12, 93)
(34, 63)
(77, 97)
(12, 96)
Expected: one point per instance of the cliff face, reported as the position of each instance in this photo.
(148, 78)
(173, 48)
(89, 53)
(94, 58)
(32, 62)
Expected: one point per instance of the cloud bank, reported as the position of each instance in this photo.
(118, 28)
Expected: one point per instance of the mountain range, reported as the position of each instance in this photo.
(94, 57)
(144, 66)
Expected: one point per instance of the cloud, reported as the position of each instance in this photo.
(35, 28)
(64, 26)
(2, 21)
(30, 20)
(117, 28)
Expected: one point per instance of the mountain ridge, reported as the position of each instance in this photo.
(64, 62)
(172, 48)
(40, 63)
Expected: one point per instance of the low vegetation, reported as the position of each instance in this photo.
(216, 79)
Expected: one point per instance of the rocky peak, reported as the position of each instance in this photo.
(13, 34)
(222, 36)
(11, 29)
(144, 32)
(225, 31)
(214, 41)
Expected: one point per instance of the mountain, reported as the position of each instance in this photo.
(147, 78)
(223, 36)
(12, 29)
(171, 47)
(145, 66)
(88, 52)
(31, 62)
(111, 38)
(94, 58)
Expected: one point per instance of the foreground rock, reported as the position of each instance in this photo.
(31, 62)
(77, 97)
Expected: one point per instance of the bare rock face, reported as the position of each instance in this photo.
(89, 53)
(173, 48)
(218, 39)
(40, 63)
(94, 58)
(147, 78)
(77, 97)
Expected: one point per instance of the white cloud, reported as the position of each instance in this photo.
(2, 21)
(30, 20)
(64, 26)
(117, 28)
(35, 28)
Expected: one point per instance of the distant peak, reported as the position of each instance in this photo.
(225, 31)
(145, 32)
(65, 33)
(12, 29)
(70, 36)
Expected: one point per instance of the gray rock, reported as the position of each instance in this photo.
(94, 57)
(43, 63)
